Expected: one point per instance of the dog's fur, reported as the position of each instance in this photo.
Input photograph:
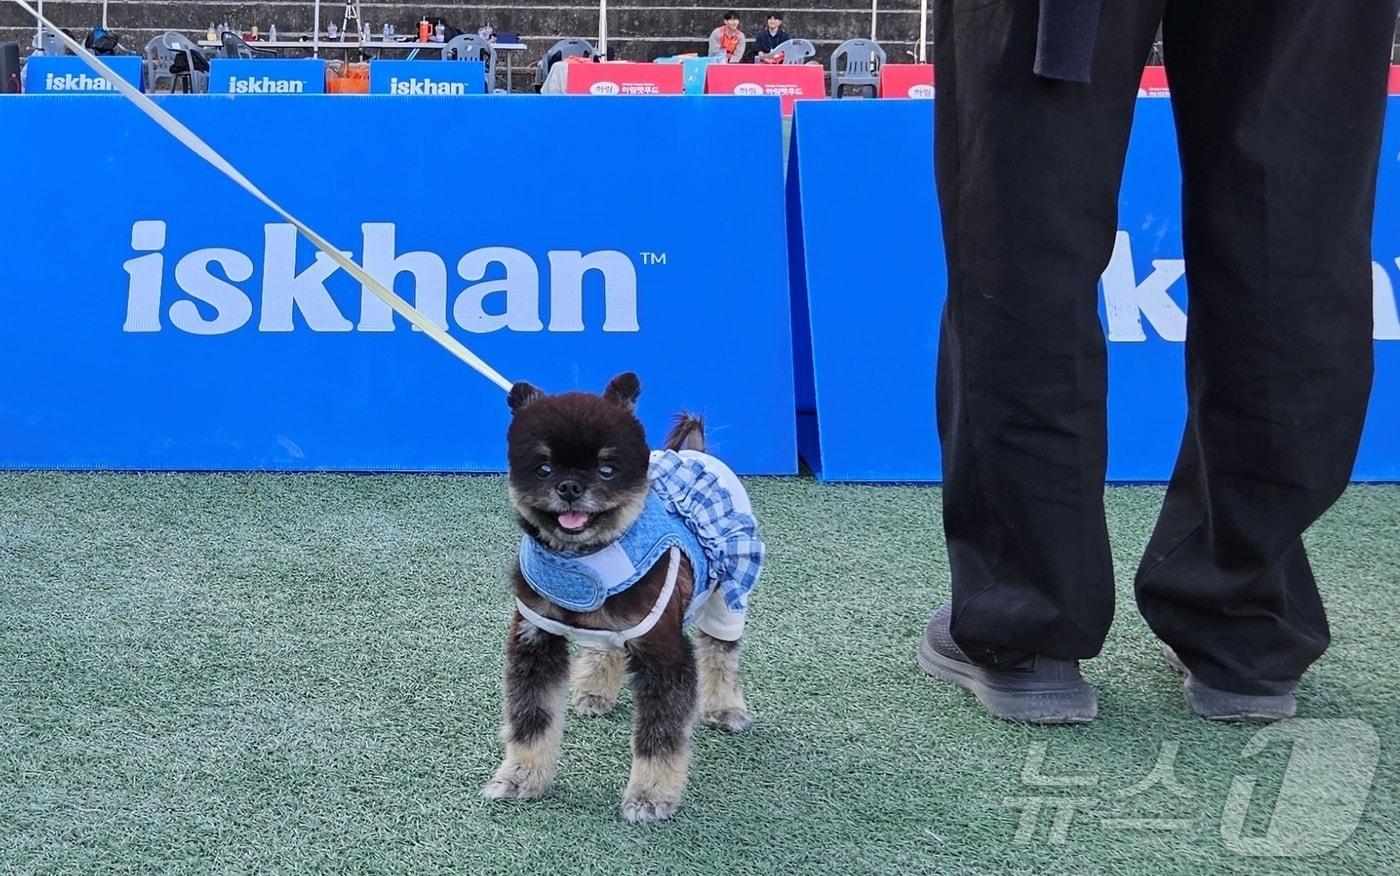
(582, 454)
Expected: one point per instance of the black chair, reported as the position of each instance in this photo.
(235, 47)
(9, 68)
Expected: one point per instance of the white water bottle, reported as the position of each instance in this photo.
(272, 34)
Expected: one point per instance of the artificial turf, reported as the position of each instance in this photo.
(220, 673)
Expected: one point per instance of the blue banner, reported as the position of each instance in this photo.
(175, 323)
(865, 308)
(427, 78)
(1144, 304)
(267, 76)
(69, 74)
(866, 325)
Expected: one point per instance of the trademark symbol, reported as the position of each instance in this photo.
(653, 258)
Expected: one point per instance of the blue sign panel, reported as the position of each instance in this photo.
(69, 74)
(865, 324)
(1146, 332)
(175, 323)
(1144, 307)
(866, 375)
(1379, 457)
(427, 78)
(267, 76)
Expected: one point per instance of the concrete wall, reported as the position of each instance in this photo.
(636, 30)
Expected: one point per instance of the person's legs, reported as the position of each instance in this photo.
(1279, 106)
(1028, 173)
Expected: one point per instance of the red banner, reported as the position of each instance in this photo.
(624, 77)
(788, 81)
(1154, 83)
(907, 80)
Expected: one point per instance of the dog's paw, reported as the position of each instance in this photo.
(517, 782)
(640, 807)
(731, 720)
(593, 705)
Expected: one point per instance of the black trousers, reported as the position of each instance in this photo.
(1278, 105)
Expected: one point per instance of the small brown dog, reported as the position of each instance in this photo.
(623, 549)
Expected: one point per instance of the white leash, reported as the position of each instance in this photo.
(178, 130)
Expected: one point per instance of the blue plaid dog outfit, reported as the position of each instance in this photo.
(696, 505)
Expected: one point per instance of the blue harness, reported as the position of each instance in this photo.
(581, 582)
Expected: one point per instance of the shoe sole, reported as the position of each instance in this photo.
(1041, 703)
(1222, 706)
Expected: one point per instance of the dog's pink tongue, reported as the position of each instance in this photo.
(573, 520)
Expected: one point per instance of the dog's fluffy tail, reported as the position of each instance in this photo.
(687, 433)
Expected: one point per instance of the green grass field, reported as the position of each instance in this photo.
(301, 674)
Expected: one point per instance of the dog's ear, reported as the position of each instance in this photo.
(624, 389)
(522, 395)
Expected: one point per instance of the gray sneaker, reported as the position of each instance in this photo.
(1039, 690)
(1214, 704)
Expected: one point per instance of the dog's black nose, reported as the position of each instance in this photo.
(570, 490)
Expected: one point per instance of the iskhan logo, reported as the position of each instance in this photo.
(425, 85)
(211, 301)
(749, 89)
(76, 82)
(921, 92)
(264, 85)
(604, 88)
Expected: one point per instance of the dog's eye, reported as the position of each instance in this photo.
(607, 470)
(543, 470)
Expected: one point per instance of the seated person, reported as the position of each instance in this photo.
(727, 41)
(771, 37)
